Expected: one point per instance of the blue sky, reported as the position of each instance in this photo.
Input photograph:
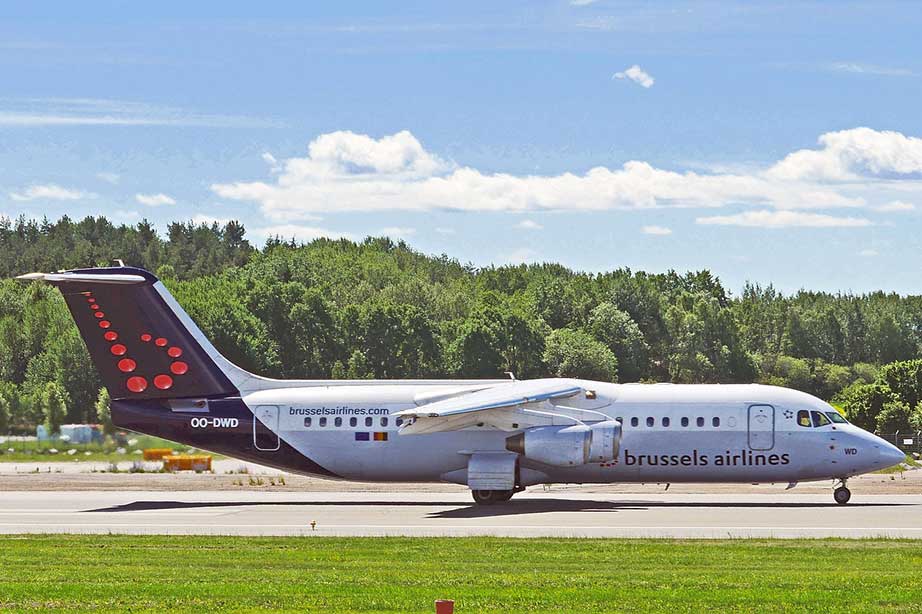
(766, 141)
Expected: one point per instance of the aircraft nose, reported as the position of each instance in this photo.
(889, 454)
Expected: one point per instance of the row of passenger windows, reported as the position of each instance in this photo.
(814, 419)
(369, 422)
(666, 421)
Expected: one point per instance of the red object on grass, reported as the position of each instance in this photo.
(444, 606)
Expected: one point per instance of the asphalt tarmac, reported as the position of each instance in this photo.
(531, 514)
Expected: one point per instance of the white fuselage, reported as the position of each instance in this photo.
(671, 433)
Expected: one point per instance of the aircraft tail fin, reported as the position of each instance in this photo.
(144, 345)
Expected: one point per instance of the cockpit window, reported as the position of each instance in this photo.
(820, 419)
(803, 418)
(836, 417)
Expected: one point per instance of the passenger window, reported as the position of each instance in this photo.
(715, 421)
(383, 421)
(338, 422)
(803, 418)
(700, 422)
(368, 421)
(836, 417)
(307, 423)
(650, 421)
(620, 419)
(634, 421)
(399, 421)
(820, 419)
(684, 421)
(323, 422)
(666, 422)
(353, 421)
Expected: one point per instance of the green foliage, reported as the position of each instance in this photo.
(104, 412)
(904, 379)
(54, 407)
(378, 309)
(573, 353)
(893, 417)
(623, 337)
(864, 402)
(4, 415)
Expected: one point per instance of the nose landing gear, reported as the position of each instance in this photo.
(842, 494)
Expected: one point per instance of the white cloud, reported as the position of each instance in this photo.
(582, 2)
(155, 200)
(348, 172)
(30, 112)
(895, 206)
(398, 232)
(299, 233)
(636, 74)
(50, 191)
(112, 178)
(656, 230)
(868, 253)
(868, 69)
(445, 231)
(783, 219)
(529, 225)
(848, 155)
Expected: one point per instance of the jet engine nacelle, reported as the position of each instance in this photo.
(565, 446)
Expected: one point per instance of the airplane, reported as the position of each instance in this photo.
(496, 437)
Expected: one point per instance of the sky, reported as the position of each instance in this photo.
(771, 142)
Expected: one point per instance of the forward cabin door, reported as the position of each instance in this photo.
(266, 428)
(761, 427)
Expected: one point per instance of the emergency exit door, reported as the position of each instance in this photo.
(266, 428)
(761, 427)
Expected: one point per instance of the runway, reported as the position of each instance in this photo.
(530, 514)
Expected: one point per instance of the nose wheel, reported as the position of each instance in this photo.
(842, 494)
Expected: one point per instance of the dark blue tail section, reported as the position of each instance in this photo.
(142, 343)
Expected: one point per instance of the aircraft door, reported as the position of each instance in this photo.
(761, 427)
(266, 428)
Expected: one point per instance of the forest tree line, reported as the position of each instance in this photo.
(378, 309)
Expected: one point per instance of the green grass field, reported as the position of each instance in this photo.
(229, 574)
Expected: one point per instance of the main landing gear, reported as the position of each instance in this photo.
(489, 497)
(842, 494)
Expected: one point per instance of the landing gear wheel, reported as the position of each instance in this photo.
(489, 497)
(841, 495)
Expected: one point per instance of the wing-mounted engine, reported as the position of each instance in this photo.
(566, 446)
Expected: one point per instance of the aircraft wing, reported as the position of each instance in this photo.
(502, 407)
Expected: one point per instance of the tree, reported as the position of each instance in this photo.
(863, 403)
(5, 414)
(573, 353)
(622, 336)
(904, 379)
(54, 407)
(104, 412)
(476, 350)
(915, 418)
(705, 342)
(893, 418)
(357, 367)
